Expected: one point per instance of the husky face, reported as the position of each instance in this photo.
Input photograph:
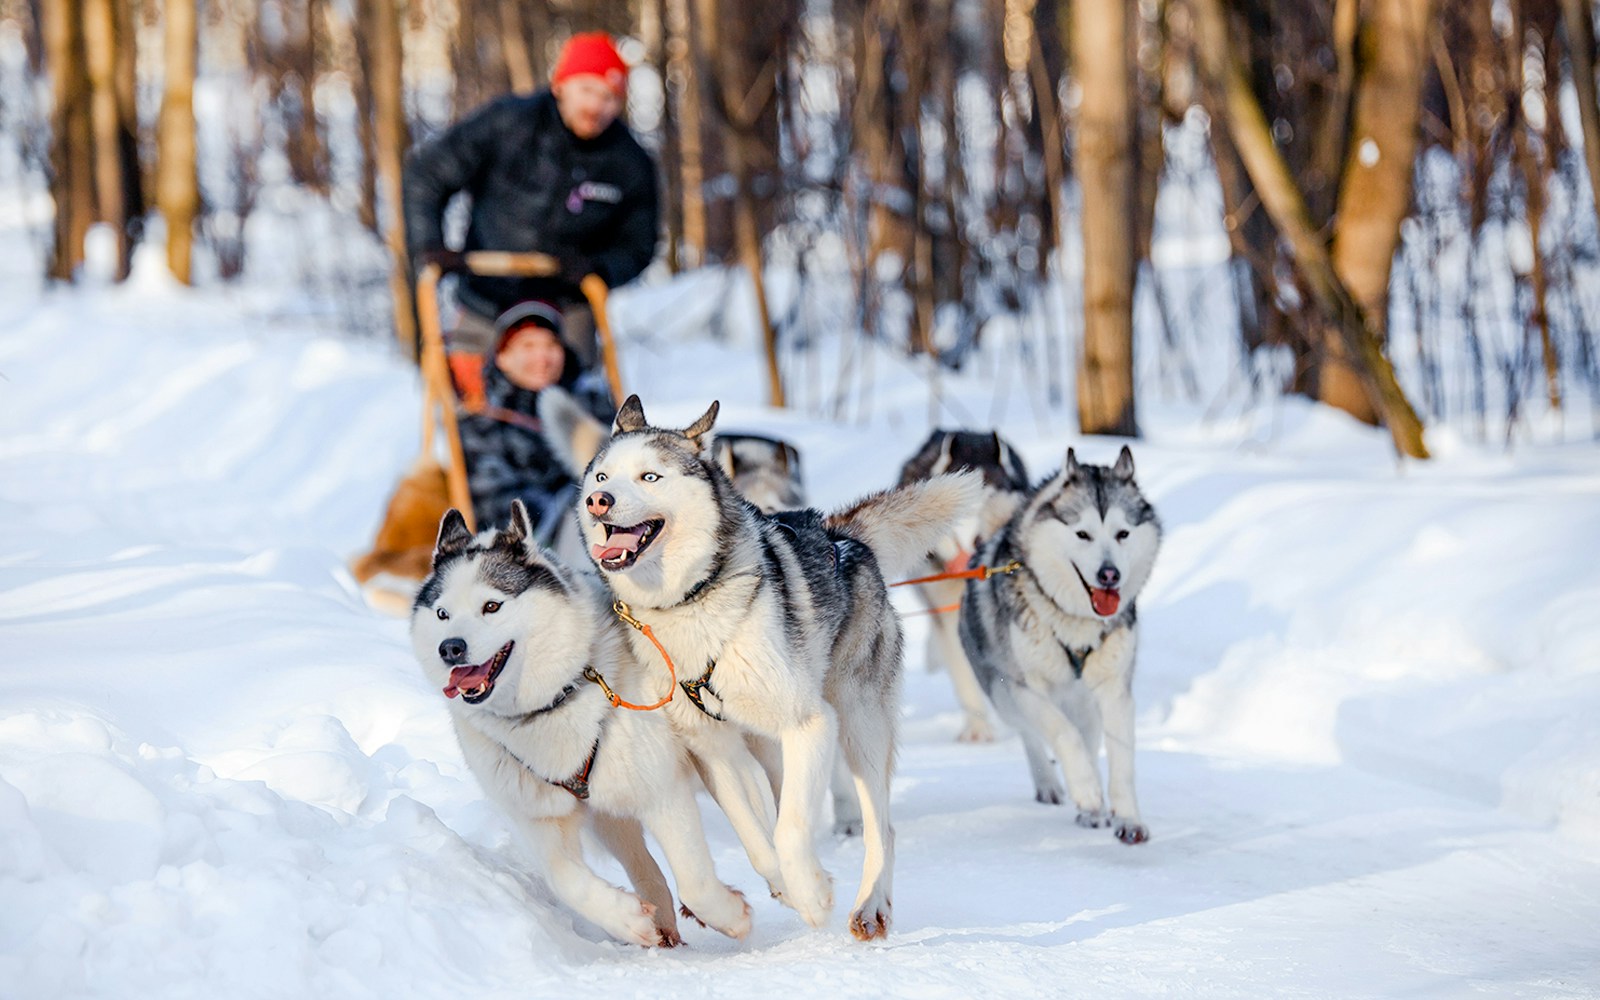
(637, 495)
(490, 612)
(1092, 534)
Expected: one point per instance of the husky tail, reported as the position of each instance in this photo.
(571, 431)
(901, 526)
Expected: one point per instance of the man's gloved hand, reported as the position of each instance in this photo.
(574, 266)
(447, 259)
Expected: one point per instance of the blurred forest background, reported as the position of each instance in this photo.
(1385, 205)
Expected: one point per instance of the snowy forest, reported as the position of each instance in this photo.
(1403, 186)
(1329, 270)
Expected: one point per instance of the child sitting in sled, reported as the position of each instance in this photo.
(507, 455)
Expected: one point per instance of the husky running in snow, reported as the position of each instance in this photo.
(1053, 639)
(1005, 481)
(511, 636)
(780, 625)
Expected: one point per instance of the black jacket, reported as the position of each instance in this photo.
(535, 186)
(508, 458)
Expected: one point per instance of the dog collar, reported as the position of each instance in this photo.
(560, 699)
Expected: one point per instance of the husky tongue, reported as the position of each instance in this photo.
(1104, 601)
(468, 678)
(621, 540)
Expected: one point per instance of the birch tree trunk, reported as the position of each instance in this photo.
(177, 177)
(1104, 168)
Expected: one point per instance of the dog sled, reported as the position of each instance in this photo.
(390, 572)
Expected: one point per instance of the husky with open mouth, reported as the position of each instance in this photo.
(781, 626)
(515, 641)
(1052, 631)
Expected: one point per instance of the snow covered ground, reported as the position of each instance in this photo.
(1367, 701)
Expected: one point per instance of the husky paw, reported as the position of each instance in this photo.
(847, 827)
(1130, 831)
(667, 937)
(729, 914)
(867, 927)
(636, 923)
(1093, 819)
(812, 896)
(1049, 796)
(872, 917)
(977, 730)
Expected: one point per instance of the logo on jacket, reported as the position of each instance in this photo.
(610, 194)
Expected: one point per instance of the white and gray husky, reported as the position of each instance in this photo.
(781, 626)
(514, 639)
(1052, 635)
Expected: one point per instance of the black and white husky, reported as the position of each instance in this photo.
(515, 639)
(1005, 482)
(780, 626)
(1052, 634)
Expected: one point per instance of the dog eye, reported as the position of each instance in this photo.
(490, 607)
(650, 477)
(599, 477)
(1122, 535)
(444, 615)
(1084, 535)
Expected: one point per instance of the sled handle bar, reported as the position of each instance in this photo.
(508, 264)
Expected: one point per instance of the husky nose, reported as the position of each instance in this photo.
(453, 652)
(1108, 577)
(599, 503)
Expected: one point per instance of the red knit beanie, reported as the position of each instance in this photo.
(592, 52)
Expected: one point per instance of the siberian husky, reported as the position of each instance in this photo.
(1005, 481)
(1052, 632)
(782, 627)
(514, 639)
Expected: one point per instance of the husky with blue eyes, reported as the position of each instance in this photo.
(781, 627)
(519, 644)
(1051, 633)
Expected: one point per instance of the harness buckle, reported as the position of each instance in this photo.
(593, 676)
(622, 611)
(1006, 570)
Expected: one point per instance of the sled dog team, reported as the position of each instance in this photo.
(784, 651)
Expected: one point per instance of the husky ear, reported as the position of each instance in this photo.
(1124, 467)
(454, 536)
(519, 530)
(695, 430)
(1073, 469)
(631, 416)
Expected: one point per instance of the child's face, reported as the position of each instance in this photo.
(531, 358)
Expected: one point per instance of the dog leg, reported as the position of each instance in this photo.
(624, 838)
(739, 786)
(1115, 701)
(846, 801)
(1077, 763)
(675, 823)
(807, 749)
(621, 914)
(978, 728)
(868, 746)
(1047, 787)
